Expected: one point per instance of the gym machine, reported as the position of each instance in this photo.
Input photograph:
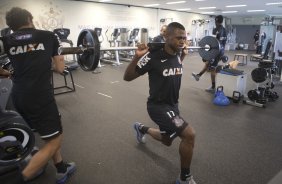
(263, 76)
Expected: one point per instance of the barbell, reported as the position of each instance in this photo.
(88, 49)
(16, 138)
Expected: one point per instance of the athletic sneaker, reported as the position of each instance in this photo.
(196, 76)
(189, 180)
(139, 135)
(210, 90)
(61, 178)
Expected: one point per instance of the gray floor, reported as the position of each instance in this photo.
(236, 144)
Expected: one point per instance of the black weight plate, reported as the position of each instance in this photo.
(89, 59)
(253, 95)
(259, 75)
(213, 51)
(15, 131)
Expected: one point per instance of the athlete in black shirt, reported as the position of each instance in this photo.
(31, 52)
(221, 36)
(165, 71)
(256, 36)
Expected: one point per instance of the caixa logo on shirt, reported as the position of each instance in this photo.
(172, 71)
(26, 48)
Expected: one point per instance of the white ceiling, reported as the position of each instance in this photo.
(272, 10)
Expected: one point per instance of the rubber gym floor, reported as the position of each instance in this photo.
(236, 144)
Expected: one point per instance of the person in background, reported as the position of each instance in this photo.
(256, 36)
(221, 35)
(190, 41)
(161, 37)
(256, 39)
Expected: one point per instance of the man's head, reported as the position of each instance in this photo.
(218, 20)
(163, 30)
(175, 37)
(18, 17)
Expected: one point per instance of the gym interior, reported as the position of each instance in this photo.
(236, 142)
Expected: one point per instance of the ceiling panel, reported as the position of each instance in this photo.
(273, 10)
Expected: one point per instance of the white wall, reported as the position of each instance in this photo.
(76, 16)
(186, 19)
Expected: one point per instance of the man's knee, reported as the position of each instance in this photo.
(188, 134)
(54, 143)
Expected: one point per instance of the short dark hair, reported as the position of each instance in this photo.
(219, 19)
(174, 25)
(17, 17)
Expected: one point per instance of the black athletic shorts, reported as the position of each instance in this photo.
(40, 112)
(167, 118)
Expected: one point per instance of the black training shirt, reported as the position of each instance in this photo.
(221, 35)
(165, 72)
(30, 51)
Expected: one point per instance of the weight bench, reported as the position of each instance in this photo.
(244, 58)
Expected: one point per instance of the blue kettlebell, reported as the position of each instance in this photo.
(220, 99)
(218, 91)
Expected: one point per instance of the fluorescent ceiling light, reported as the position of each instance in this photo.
(255, 10)
(229, 11)
(176, 2)
(233, 6)
(184, 9)
(104, 1)
(273, 3)
(151, 5)
(207, 12)
(205, 8)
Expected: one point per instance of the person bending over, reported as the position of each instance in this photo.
(221, 36)
(31, 52)
(164, 68)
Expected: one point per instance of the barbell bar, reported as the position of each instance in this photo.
(81, 49)
(88, 49)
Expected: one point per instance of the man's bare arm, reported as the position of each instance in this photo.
(58, 63)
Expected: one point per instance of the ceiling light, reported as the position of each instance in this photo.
(273, 3)
(255, 10)
(104, 1)
(200, 0)
(229, 11)
(184, 9)
(205, 8)
(151, 5)
(233, 6)
(207, 12)
(176, 2)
